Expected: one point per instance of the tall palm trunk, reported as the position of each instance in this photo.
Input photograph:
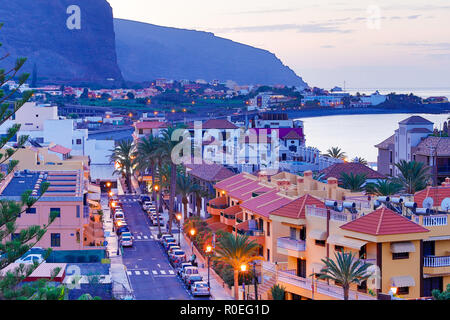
(198, 199)
(346, 289)
(153, 182)
(185, 207)
(173, 185)
(236, 284)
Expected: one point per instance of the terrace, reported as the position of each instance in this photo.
(291, 247)
(253, 233)
(215, 206)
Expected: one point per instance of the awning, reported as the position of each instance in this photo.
(403, 281)
(94, 189)
(94, 196)
(400, 247)
(318, 234)
(437, 238)
(345, 242)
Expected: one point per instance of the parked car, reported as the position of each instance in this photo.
(166, 241)
(170, 245)
(165, 236)
(200, 288)
(187, 272)
(119, 215)
(177, 257)
(146, 205)
(144, 198)
(122, 229)
(172, 249)
(155, 218)
(31, 258)
(181, 267)
(127, 234)
(191, 279)
(126, 241)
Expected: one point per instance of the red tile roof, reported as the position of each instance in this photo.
(245, 191)
(266, 203)
(436, 193)
(431, 145)
(232, 210)
(350, 167)
(292, 135)
(150, 125)
(234, 181)
(216, 124)
(385, 144)
(216, 226)
(209, 172)
(415, 120)
(59, 149)
(296, 209)
(383, 221)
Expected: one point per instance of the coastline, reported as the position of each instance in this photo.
(359, 111)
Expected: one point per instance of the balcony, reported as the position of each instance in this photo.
(291, 247)
(217, 205)
(435, 220)
(228, 216)
(253, 234)
(433, 265)
(322, 290)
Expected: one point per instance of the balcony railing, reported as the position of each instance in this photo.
(321, 287)
(432, 221)
(291, 244)
(251, 233)
(436, 262)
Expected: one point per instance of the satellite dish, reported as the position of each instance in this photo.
(428, 203)
(445, 204)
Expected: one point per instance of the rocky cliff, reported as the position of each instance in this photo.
(67, 46)
(147, 52)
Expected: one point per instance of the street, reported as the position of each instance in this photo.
(148, 268)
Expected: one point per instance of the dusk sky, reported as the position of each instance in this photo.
(382, 44)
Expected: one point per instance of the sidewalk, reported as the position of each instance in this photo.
(218, 292)
(121, 285)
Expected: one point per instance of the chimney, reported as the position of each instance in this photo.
(300, 186)
(308, 179)
(262, 176)
(332, 184)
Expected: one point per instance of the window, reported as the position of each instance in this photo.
(55, 240)
(320, 243)
(78, 141)
(338, 248)
(78, 211)
(141, 131)
(303, 233)
(400, 255)
(403, 290)
(268, 228)
(268, 254)
(31, 210)
(56, 210)
(293, 233)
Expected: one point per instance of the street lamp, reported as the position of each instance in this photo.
(243, 270)
(255, 280)
(179, 227)
(208, 254)
(192, 232)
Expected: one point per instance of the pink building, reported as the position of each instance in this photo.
(66, 195)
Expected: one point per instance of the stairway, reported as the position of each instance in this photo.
(264, 289)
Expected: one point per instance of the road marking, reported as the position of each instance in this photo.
(171, 272)
(154, 272)
(145, 237)
(163, 272)
(129, 273)
(138, 273)
(139, 237)
(146, 272)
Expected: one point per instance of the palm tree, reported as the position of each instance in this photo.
(199, 194)
(336, 152)
(360, 160)
(185, 186)
(166, 147)
(345, 271)
(236, 250)
(383, 188)
(353, 182)
(413, 176)
(147, 159)
(124, 158)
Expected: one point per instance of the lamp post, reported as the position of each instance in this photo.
(179, 227)
(243, 270)
(255, 281)
(208, 254)
(192, 232)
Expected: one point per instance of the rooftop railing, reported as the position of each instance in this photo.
(435, 262)
(291, 244)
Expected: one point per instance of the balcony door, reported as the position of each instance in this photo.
(428, 248)
(301, 268)
(429, 284)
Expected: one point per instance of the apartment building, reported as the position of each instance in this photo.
(76, 227)
(413, 141)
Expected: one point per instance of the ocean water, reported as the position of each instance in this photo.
(420, 92)
(357, 135)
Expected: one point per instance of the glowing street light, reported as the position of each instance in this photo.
(208, 254)
(243, 267)
(178, 216)
(192, 233)
(108, 184)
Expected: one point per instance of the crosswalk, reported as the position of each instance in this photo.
(160, 273)
(143, 237)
